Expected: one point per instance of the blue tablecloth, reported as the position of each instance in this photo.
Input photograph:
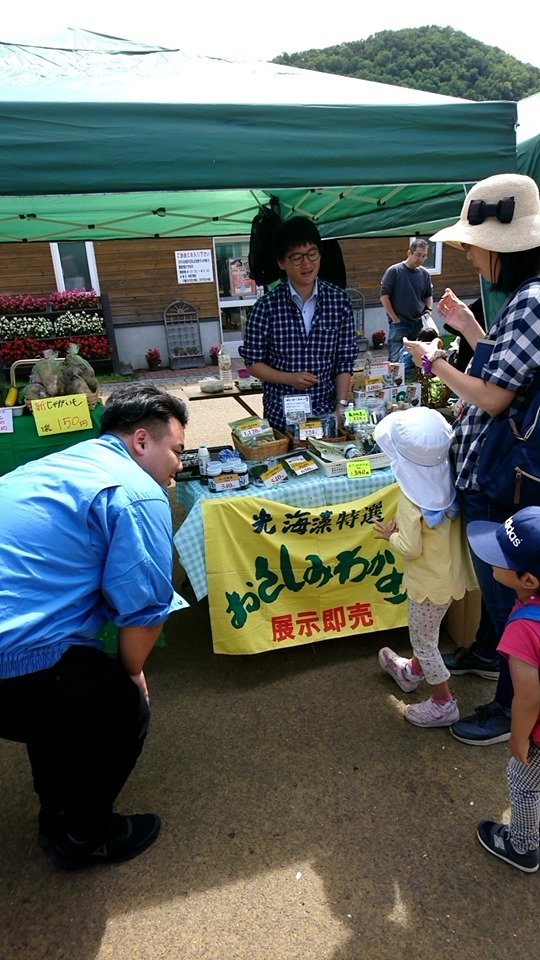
(313, 490)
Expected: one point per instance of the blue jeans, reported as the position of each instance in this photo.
(396, 332)
(497, 600)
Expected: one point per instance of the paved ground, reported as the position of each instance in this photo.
(303, 819)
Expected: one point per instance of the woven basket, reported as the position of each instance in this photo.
(263, 451)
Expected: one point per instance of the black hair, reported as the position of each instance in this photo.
(141, 405)
(516, 268)
(295, 233)
(427, 336)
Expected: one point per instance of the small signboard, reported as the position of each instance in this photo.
(6, 420)
(62, 414)
(358, 468)
(194, 266)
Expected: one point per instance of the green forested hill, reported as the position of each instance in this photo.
(437, 59)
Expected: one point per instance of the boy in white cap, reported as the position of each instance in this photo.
(512, 548)
(427, 532)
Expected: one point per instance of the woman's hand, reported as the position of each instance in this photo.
(417, 349)
(454, 312)
(385, 530)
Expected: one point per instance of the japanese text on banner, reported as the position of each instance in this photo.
(280, 576)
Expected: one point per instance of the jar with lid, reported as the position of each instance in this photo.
(241, 470)
(213, 470)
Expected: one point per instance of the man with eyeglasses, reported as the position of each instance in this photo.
(406, 294)
(300, 338)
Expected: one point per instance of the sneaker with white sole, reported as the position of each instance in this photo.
(431, 714)
(399, 670)
(495, 838)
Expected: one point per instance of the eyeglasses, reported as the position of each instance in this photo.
(298, 258)
(479, 211)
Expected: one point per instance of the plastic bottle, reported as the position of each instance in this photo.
(203, 459)
(225, 367)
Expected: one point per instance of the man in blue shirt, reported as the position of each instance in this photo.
(86, 538)
(300, 338)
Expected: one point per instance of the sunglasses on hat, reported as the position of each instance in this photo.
(479, 211)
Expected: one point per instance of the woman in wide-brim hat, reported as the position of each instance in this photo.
(499, 230)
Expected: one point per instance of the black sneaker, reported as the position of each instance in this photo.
(488, 724)
(466, 660)
(127, 837)
(495, 838)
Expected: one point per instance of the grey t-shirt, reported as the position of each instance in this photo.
(408, 290)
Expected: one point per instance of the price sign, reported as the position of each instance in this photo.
(6, 420)
(62, 414)
(296, 404)
(274, 475)
(357, 416)
(358, 468)
(311, 428)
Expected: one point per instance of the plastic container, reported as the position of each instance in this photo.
(213, 470)
(203, 459)
(225, 368)
(241, 469)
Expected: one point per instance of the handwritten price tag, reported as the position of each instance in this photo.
(358, 468)
(61, 414)
(274, 475)
(6, 420)
(357, 416)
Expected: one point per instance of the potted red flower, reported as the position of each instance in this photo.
(378, 339)
(153, 358)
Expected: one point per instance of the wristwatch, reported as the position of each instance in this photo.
(342, 403)
(427, 361)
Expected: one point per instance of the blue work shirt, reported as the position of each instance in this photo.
(85, 538)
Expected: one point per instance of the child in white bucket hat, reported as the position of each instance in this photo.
(427, 532)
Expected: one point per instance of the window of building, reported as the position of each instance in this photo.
(434, 259)
(75, 265)
(237, 292)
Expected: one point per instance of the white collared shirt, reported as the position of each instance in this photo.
(306, 306)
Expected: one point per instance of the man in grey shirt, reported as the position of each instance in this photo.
(406, 293)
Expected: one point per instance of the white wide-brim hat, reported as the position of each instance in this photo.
(417, 442)
(491, 208)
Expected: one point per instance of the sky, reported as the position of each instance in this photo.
(249, 29)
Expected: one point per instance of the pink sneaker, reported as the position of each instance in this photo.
(398, 668)
(431, 714)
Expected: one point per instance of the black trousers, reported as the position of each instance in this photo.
(84, 722)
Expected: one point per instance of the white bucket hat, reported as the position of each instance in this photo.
(417, 442)
(501, 214)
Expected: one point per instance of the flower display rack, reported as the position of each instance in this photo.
(31, 323)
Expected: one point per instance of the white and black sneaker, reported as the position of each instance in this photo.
(495, 838)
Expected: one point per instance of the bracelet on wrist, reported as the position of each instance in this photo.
(427, 362)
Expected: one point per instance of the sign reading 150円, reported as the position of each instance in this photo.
(194, 266)
(61, 414)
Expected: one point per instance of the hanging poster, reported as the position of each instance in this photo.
(241, 283)
(194, 266)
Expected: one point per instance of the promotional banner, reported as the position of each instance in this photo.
(279, 576)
